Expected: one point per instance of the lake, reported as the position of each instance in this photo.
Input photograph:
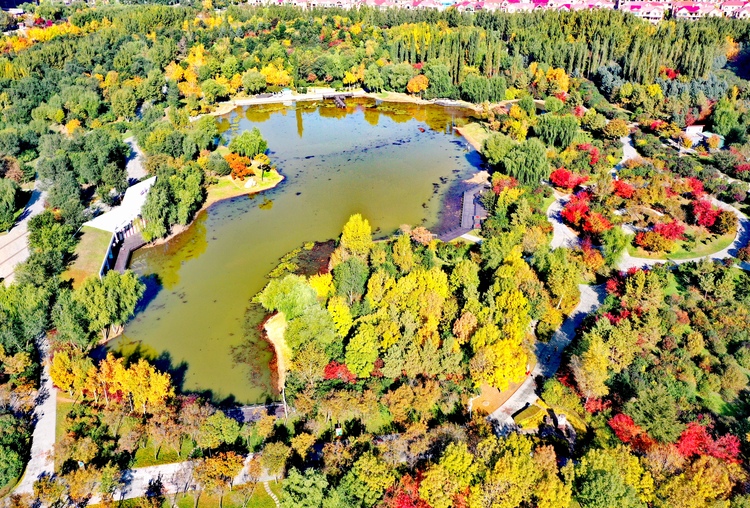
(393, 163)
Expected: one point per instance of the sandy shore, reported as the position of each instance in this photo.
(471, 139)
(275, 326)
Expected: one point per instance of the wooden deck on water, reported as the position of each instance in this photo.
(338, 98)
(129, 244)
(248, 414)
(472, 212)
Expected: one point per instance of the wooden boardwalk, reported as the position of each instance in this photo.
(472, 213)
(129, 244)
(248, 414)
(339, 98)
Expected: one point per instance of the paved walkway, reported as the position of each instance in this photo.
(134, 165)
(743, 236)
(43, 438)
(175, 477)
(14, 245)
(628, 151)
(562, 235)
(549, 356)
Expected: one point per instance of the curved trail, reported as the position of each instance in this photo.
(549, 356)
(43, 438)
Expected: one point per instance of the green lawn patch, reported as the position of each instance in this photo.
(530, 417)
(89, 255)
(233, 499)
(715, 244)
(63, 408)
(145, 455)
(228, 188)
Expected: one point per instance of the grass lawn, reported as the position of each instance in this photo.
(22, 199)
(63, 408)
(259, 499)
(144, 456)
(475, 133)
(89, 255)
(701, 250)
(228, 188)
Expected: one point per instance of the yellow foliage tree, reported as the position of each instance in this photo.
(417, 84)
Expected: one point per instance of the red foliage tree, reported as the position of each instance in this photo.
(704, 214)
(336, 370)
(405, 494)
(565, 179)
(596, 223)
(696, 440)
(670, 230)
(696, 187)
(624, 189)
(629, 433)
(742, 168)
(575, 210)
(502, 182)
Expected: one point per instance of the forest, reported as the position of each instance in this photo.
(388, 341)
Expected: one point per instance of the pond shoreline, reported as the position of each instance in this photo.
(234, 356)
(178, 229)
(226, 107)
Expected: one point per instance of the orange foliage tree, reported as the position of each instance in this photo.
(241, 166)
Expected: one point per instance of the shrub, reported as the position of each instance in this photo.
(617, 128)
(726, 222)
(703, 213)
(653, 242)
(596, 223)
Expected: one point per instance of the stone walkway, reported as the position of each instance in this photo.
(43, 438)
(548, 356)
(271, 494)
(14, 245)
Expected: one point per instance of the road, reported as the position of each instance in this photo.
(548, 356)
(43, 438)
(14, 245)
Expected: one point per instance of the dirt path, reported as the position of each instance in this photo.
(275, 327)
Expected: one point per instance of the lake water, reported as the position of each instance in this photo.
(394, 164)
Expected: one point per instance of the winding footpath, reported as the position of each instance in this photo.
(43, 438)
(271, 494)
(549, 356)
(563, 236)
